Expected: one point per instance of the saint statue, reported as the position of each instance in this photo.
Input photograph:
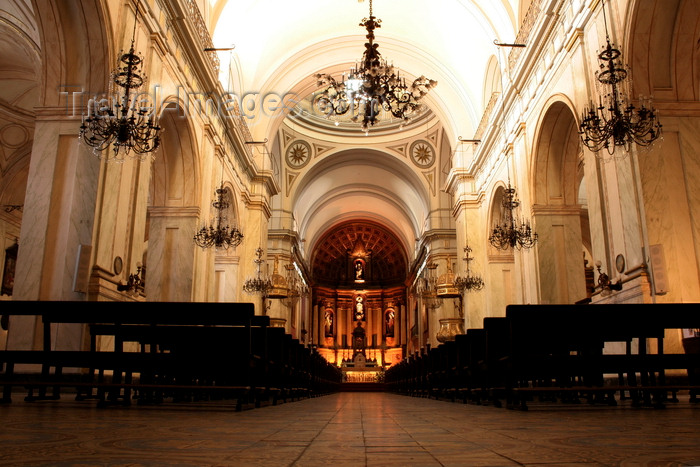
(359, 271)
(328, 320)
(390, 315)
(359, 309)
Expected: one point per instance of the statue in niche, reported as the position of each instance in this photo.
(328, 322)
(358, 339)
(389, 321)
(359, 309)
(359, 271)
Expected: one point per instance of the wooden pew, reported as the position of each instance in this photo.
(150, 324)
(558, 349)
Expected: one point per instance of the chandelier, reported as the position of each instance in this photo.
(296, 286)
(509, 234)
(469, 282)
(427, 288)
(616, 122)
(219, 234)
(372, 85)
(259, 284)
(127, 125)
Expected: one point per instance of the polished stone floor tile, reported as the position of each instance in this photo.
(348, 430)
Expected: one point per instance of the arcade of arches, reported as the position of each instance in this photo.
(362, 221)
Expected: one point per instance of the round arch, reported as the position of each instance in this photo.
(340, 187)
(555, 180)
(175, 169)
(172, 210)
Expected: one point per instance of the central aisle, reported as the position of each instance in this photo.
(346, 429)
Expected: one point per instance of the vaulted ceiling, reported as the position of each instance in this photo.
(278, 48)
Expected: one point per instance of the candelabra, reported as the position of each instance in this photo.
(604, 282)
(136, 282)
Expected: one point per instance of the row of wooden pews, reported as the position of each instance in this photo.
(559, 353)
(164, 352)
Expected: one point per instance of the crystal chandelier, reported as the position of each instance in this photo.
(127, 125)
(616, 122)
(469, 282)
(259, 284)
(219, 234)
(371, 86)
(509, 234)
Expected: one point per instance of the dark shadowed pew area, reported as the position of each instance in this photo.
(159, 352)
(562, 354)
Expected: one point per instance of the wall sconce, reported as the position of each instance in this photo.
(606, 286)
(135, 284)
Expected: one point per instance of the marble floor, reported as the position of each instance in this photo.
(347, 429)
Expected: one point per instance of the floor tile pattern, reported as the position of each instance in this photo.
(347, 429)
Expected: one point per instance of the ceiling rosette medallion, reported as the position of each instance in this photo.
(422, 154)
(298, 154)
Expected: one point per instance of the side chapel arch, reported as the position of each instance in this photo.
(558, 211)
(172, 211)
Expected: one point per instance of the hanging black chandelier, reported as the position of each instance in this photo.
(128, 124)
(373, 85)
(219, 234)
(616, 122)
(259, 284)
(469, 282)
(509, 233)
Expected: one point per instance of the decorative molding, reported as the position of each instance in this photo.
(423, 154)
(320, 149)
(401, 149)
(286, 137)
(298, 154)
(290, 177)
(576, 37)
(431, 179)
